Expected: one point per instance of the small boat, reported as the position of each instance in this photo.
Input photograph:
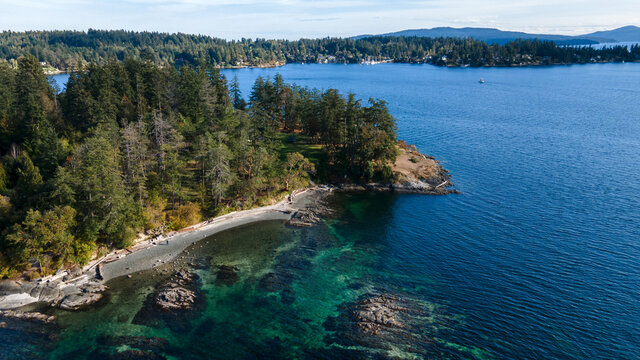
(481, 81)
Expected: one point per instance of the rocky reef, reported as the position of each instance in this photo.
(175, 302)
(136, 347)
(227, 275)
(382, 325)
(30, 316)
(377, 313)
(174, 295)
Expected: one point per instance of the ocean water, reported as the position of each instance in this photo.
(59, 81)
(538, 258)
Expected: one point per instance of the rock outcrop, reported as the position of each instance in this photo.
(312, 213)
(175, 304)
(69, 290)
(176, 298)
(79, 301)
(376, 313)
(85, 295)
(175, 294)
(304, 218)
(30, 316)
(383, 325)
(413, 172)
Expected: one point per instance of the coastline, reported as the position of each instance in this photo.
(152, 252)
(79, 284)
(453, 66)
(75, 288)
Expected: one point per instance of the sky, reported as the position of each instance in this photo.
(294, 19)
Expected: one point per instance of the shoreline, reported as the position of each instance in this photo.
(143, 255)
(75, 288)
(450, 66)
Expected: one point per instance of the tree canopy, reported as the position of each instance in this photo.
(70, 50)
(131, 146)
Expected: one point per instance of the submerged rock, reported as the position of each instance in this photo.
(276, 281)
(175, 303)
(155, 344)
(227, 275)
(183, 277)
(385, 325)
(176, 298)
(126, 355)
(31, 316)
(374, 314)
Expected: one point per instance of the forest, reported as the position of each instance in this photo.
(67, 50)
(131, 146)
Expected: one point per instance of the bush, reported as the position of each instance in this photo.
(387, 173)
(125, 236)
(153, 214)
(185, 215)
(414, 159)
(83, 251)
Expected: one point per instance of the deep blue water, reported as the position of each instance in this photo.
(541, 252)
(538, 258)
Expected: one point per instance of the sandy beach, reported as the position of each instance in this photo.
(144, 255)
(165, 249)
(153, 252)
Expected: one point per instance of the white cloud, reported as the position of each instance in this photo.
(314, 18)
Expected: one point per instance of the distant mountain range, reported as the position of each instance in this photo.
(495, 36)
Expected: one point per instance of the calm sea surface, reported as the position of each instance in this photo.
(538, 258)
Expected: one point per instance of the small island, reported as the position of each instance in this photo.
(133, 155)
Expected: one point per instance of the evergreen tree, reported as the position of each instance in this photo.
(44, 236)
(238, 102)
(106, 211)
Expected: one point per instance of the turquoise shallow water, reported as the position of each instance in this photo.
(537, 259)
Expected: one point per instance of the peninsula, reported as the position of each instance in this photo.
(133, 155)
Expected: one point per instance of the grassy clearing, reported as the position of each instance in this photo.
(290, 143)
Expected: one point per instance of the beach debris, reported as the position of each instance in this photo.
(99, 272)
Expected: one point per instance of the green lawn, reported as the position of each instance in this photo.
(290, 143)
